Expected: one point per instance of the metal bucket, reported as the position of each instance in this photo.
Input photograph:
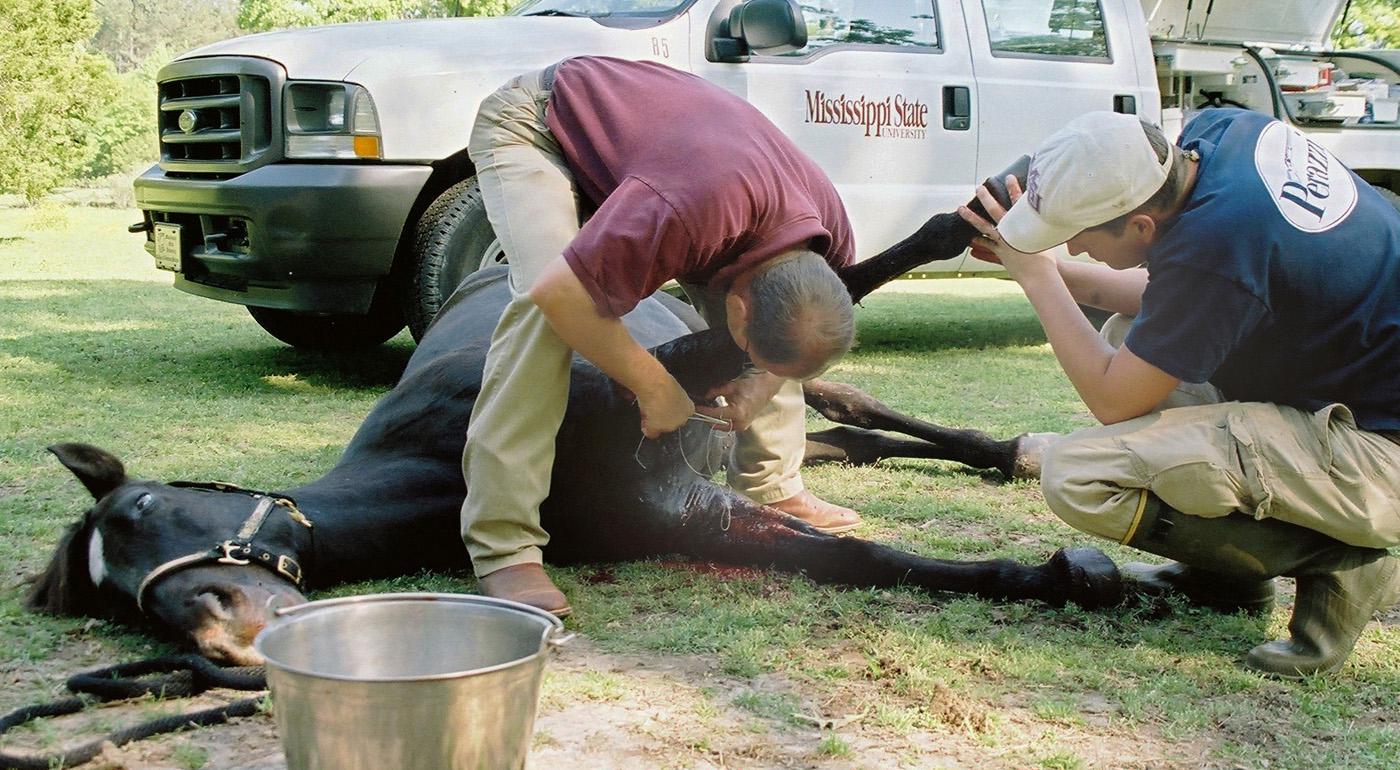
(412, 681)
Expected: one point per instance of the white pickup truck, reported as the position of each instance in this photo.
(320, 176)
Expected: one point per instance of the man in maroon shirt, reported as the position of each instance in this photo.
(693, 184)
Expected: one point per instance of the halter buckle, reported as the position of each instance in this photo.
(228, 547)
(288, 568)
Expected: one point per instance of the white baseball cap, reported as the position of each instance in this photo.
(1094, 170)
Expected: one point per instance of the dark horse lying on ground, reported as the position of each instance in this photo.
(205, 561)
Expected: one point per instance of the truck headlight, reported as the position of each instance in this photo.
(330, 121)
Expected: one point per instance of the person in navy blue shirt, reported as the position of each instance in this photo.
(1249, 388)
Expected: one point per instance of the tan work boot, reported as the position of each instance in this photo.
(527, 584)
(825, 517)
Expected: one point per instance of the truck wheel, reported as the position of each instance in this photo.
(454, 240)
(331, 331)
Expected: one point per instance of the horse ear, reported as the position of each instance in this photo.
(64, 588)
(98, 469)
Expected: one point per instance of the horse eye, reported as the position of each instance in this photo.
(144, 502)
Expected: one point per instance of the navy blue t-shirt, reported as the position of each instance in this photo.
(1280, 279)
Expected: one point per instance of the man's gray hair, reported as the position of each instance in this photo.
(800, 310)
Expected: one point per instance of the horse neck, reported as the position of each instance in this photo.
(379, 518)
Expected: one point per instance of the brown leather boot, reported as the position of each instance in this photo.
(528, 584)
(826, 517)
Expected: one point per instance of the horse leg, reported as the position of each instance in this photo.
(850, 406)
(858, 446)
(722, 526)
(943, 236)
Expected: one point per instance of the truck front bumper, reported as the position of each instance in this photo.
(303, 237)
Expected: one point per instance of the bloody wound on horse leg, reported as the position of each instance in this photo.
(726, 527)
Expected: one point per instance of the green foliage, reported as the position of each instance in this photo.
(131, 32)
(1369, 24)
(52, 90)
(190, 756)
(125, 131)
(263, 15)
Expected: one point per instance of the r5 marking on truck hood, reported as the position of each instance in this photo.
(1294, 23)
(428, 76)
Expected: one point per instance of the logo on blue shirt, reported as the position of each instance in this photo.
(1310, 187)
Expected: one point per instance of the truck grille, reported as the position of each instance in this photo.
(218, 116)
(201, 119)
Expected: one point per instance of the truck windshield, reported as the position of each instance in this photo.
(599, 8)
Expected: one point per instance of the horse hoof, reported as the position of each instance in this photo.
(1030, 454)
(1091, 578)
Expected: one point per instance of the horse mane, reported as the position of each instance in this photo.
(64, 587)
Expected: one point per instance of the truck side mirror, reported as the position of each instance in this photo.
(764, 26)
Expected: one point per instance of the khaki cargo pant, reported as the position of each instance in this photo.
(532, 204)
(1207, 458)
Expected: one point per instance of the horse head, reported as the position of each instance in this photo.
(181, 553)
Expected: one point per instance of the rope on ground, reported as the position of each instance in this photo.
(184, 675)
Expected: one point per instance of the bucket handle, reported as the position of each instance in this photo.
(559, 638)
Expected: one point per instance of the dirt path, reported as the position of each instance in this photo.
(602, 710)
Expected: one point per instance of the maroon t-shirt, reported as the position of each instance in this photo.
(691, 182)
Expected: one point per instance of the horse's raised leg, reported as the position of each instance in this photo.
(725, 527)
(861, 444)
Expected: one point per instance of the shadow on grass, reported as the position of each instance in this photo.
(145, 333)
(946, 322)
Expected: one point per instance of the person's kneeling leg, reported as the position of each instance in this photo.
(1225, 560)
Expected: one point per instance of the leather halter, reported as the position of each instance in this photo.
(240, 550)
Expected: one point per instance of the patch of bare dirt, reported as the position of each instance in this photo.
(603, 710)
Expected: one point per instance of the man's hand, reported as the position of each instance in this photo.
(745, 397)
(567, 306)
(665, 407)
(989, 245)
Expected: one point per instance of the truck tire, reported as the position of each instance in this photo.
(453, 240)
(332, 331)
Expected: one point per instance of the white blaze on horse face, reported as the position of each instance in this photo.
(97, 565)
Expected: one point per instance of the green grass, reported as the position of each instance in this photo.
(95, 346)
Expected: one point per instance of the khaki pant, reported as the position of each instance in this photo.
(532, 204)
(1316, 470)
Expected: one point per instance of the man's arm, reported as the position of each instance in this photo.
(1115, 384)
(605, 342)
(1092, 284)
(1100, 286)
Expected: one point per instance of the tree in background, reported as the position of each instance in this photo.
(138, 37)
(1369, 24)
(263, 15)
(124, 133)
(52, 89)
(131, 31)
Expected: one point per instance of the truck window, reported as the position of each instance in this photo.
(901, 23)
(1047, 28)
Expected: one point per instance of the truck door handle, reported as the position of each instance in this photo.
(957, 108)
(1125, 104)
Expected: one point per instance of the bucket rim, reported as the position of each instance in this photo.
(552, 629)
